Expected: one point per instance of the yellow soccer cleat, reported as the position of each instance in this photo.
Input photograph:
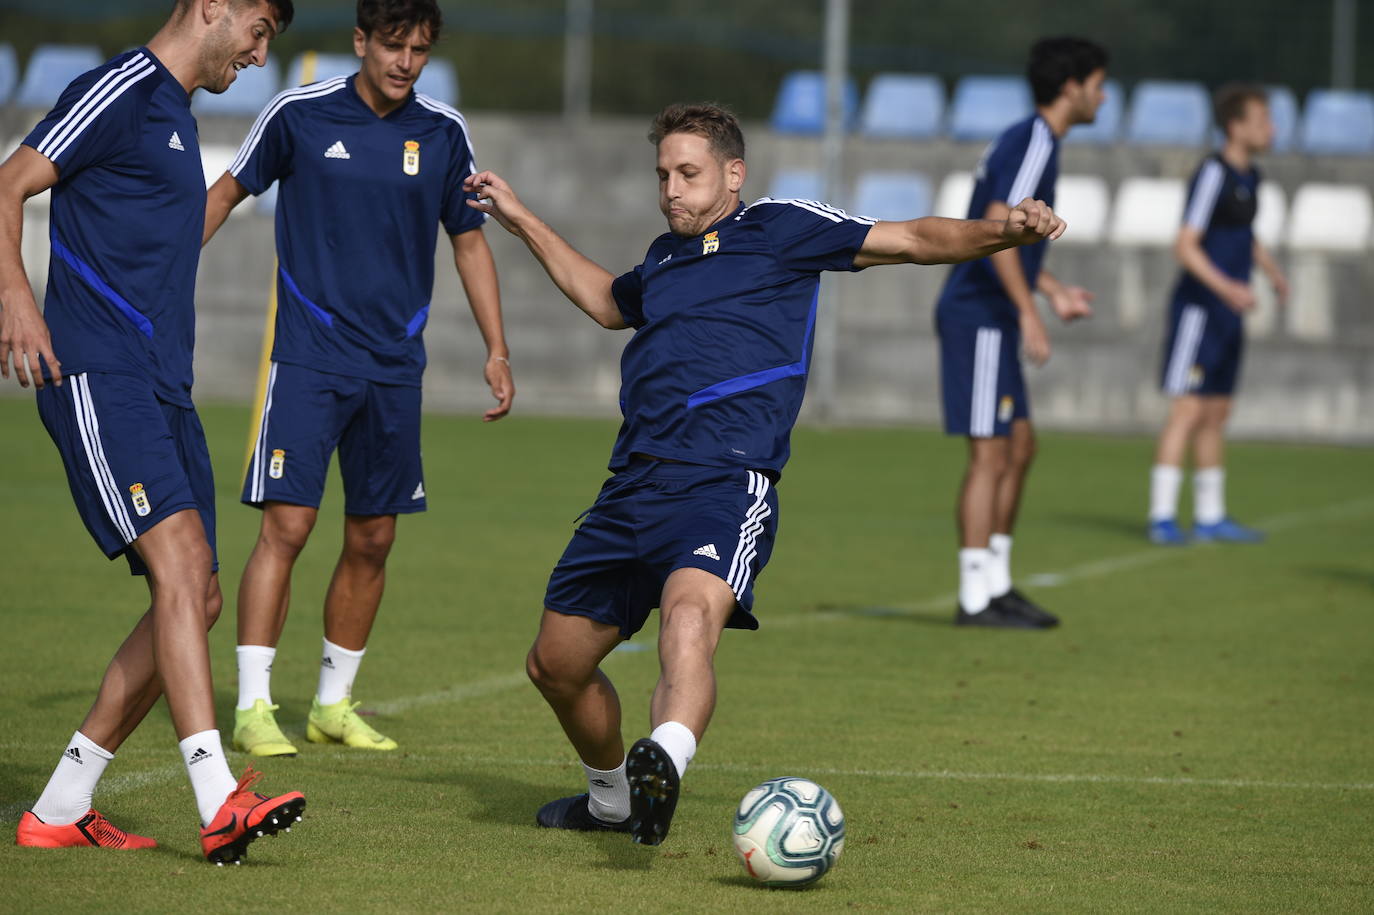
(339, 723)
(256, 732)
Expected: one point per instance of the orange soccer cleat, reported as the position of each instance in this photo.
(91, 829)
(246, 815)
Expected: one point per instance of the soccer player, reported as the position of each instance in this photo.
(723, 308)
(1216, 247)
(987, 316)
(111, 359)
(368, 170)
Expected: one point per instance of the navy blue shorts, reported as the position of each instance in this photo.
(131, 459)
(375, 427)
(1202, 350)
(981, 380)
(654, 518)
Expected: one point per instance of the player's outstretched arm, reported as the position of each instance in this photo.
(23, 331)
(586, 284)
(935, 240)
(477, 270)
(220, 200)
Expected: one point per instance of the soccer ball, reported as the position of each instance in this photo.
(788, 831)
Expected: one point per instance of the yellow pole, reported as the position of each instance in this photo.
(269, 332)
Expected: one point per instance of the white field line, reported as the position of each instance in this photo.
(1097, 568)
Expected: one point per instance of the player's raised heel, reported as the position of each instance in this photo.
(654, 786)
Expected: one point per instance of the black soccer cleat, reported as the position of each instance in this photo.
(995, 615)
(1019, 603)
(654, 786)
(573, 813)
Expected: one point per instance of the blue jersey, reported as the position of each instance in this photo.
(1221, 205)
(716, 369)
(1022, 162)
(128, 212)
(358, 216)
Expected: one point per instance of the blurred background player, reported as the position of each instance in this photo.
(1217, 249)
(114, 391)
(723, 309)
(368, 171)
(987, 315)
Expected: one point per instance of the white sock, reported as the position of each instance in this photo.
(973, 579)
(999, 565)
(1165, 480)
(608, 793)
(208, 771)
(1209, 495)
(338, 667)
(67, 798)
(678, 741)
(255, 674)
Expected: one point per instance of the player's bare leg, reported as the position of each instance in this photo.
(350, 608)
(265, 589)
(1166, 477)
(564, 664)
(1020, 455)
(1211, 521)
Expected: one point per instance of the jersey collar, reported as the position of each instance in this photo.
(358, 100)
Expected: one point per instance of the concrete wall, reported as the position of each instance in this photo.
(1309, 370)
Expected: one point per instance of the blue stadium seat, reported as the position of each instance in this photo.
(1283, 111)
(984, 106)
(51, 68)
(1169, 114)
(893, 196)
(253, 88)
(439, 80)
(1338, 123)
(906, 105)
(800, 106)
(326, 66)
(1107, 128)
(797, 184)
(9, 72)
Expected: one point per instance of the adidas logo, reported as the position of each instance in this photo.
(419, 492)
(327, 661)
(337, 151)
(74, 754)
(601, 783)
(709, 551)
(200, 755)
(175, 142)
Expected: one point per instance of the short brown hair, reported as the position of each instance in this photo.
(716, 123)
(284, 10)
(1229, 102)
(399, 17)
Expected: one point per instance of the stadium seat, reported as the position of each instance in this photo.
(800, 107)
(1083, 202)
(9, 72)
(1107, 128)
(1273, 211)
(253, 88)
(215, 159)
(1338, 123)
(984, 106)
(1331, 217)
(51, 67)
(893, 196)
(439, 80)
(1148, 212)
(903, 105)
(797, 184)
(955, 193)
(1169, 114)
(326, 66)
(1283, 110)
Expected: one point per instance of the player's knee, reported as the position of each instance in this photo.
(546, 676)
(988, 460)
(688, 628)
(214, 603)
(371, 545)
(1023, 454)
(287, 535)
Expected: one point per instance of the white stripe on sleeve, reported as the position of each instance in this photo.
(1032, 164)
(1205, 193)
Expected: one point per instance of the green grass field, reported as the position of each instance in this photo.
(1198, 736)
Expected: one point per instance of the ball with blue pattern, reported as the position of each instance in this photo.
(788, 832)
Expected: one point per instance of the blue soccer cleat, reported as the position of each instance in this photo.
(1226, 531)
(1167, 533)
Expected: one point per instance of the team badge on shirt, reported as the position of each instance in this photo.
(1004, 408)
(141, 504)
(1195, 376)
(711, 243)
(278, 465)
(410, 162)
